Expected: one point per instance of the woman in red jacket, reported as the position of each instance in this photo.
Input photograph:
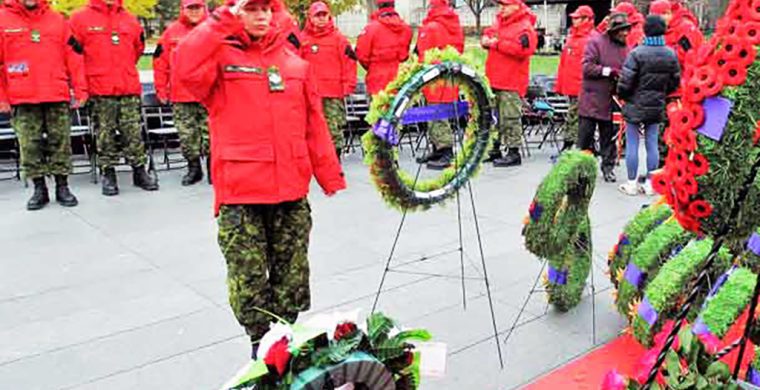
(510, 42)
(189, 114)
(334, 65)
(268, 137)
(570, 72)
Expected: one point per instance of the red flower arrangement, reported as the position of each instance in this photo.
(344, 329)
(278, 355)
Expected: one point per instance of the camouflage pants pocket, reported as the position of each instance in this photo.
(335, 115)
(510, 112)
(440, 134)
(44, 137)
(266, 250)
(192, 126)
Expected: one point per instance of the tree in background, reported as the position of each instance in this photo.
(300, 8)
(477, 7)
(140, 8)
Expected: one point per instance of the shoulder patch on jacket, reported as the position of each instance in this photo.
(75, 45)
(350, 53)
(158, 51)
(524, 41)
(293, 39)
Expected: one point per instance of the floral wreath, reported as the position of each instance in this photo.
(557, 227)
(390, 109)
(334, 353)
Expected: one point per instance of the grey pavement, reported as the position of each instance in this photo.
(129, 292)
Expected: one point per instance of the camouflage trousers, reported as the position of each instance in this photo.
(335, 115)
(44, 136)
(116, 120)
(571, 121)
(510, 112)
(266, 250)
(192, 126)
(440, 134)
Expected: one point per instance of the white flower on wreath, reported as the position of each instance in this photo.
(328, 322)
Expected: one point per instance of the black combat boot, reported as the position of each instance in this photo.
(142, 179)
(443, 161)
(194, 172)
(110, 188)
(567, 146)
(63, 195)
(512, 159)
(495, 152)
(40, 196)
(430, 156)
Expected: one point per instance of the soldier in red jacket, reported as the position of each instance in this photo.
(383, 45)
(510, 42)
(570, 71)
(441, 28)
(113, 42)
(683, 34)
(334, 65)
(39, 63)
(268, 138)
(189, 115)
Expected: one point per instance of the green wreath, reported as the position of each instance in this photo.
(558, 229)
(398, 188)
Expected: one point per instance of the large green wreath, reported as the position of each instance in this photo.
(398, 188)
(558, 229)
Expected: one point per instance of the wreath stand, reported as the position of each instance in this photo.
(393, 266)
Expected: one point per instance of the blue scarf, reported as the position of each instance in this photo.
(654, 41)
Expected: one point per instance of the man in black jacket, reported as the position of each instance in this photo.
(650, 73)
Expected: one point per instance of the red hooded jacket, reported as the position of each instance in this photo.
(382, 46)
(440, 29)
(508, 62)
(163, 58)
(570, 71)
(40, 61)
(265, 144)
(332, 58)
(113, 42)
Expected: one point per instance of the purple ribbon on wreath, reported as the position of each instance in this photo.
(634, 275)
(647, 312)
(754, 244)
(557, 277)
(386, 130)
(753, 376)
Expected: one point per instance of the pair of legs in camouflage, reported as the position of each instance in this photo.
(44, 135)
(335, 115)
(114, 117)
(510, 112)
(266, 250)
(192, 126)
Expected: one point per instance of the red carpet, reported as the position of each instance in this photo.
(588, 371)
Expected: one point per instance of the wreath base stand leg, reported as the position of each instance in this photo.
(398, 268)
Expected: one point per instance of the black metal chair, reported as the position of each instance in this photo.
(159, 128)
(9, 149)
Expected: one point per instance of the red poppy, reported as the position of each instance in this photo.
(751, 32)
(754, 10)
(660, 183)
(680, 117)
(757, 135)
(675, 157)
(687, 222)
(278, 356)
(700, 209)
(728, 26)
(344, 329)
(682, 196)
(697, 113)
(699, 165)
(734, 74)
(689, 184)
(689, 140)
(694, 92)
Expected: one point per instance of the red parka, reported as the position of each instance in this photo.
(508, 62)
(441, 28)
(333, 61)
(382, 46)
(113, 42)
(163, 58)
(265, 144)
(570, 71)
(40, 61)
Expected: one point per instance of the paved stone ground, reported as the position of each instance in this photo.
(129, 293)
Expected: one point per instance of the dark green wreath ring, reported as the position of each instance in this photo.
(394, 107)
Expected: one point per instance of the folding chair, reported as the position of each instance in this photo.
(159, 128)
(357, 108)
(81, 129)
(9, 148)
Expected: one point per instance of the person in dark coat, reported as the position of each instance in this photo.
(650, 73)
(602, 61)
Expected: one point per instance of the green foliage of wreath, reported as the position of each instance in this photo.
(655, 250)
(666, 291)
(722, 310)
(396, 186)
(558, 229)
(633, 234)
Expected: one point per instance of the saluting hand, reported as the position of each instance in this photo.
(237, 9)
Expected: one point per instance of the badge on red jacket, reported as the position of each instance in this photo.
(276, 83)
(36, 36)
(115, 37)
(18, 68)
(314, 49)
